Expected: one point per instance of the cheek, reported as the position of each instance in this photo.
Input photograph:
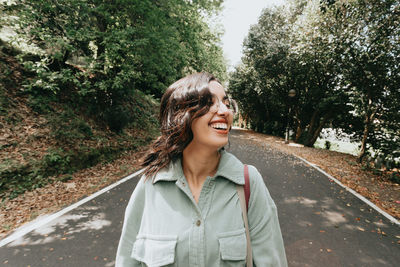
(230, 118)
(199, 125)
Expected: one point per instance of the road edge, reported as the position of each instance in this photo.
(42, 220)
(359, 196)
(24, 229)
(356, 194)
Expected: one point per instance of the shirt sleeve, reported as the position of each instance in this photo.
(131, 226)
(265, 233)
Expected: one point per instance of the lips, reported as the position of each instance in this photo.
(220, 126)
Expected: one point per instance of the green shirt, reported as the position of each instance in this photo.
(164, 226)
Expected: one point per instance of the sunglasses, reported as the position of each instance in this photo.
(228, 102)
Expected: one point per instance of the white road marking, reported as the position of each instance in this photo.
(362, 198)
(23, 230)
(26, 228)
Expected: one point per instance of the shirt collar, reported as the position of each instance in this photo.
(229, 168)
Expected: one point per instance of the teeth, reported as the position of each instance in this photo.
(219, 126)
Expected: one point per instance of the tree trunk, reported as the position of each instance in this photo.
(316, 133)
(364, 141)
(369, 118)
(299, 132)
(312, 122)
(102, 26)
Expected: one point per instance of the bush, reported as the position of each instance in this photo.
(117, 118)
(41, 104)
(68, 128)
(395, 177)
(17, 178)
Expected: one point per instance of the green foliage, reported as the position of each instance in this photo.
(117, 117)
(97, 66)
(366, 34)
(41, 104)
(98, 54)
(79, 146)
(68, 128)
(102, 51)
(341, 58)
(16, 178)
(81, 142)
(8, 77)
(6, 64)
(395, 177)
(58, 161)
(287, 51)
(4, 103)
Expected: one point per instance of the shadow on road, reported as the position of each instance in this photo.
(86, 236)
(322, 223)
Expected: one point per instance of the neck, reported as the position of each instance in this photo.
(199, 162)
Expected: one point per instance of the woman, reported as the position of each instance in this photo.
(185, 210)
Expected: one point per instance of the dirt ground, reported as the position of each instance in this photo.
(53, 197)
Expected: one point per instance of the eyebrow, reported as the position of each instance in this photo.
(224, 98)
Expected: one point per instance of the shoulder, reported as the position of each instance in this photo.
(143, 186)
(233, 169)
(255, 176)
(258, 189)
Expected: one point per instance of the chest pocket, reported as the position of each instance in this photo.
(154, 250)
(232, 248)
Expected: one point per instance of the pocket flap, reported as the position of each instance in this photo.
(154, 250)
(233, 245)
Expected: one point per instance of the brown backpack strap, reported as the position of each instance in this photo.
(244, 200)
(246, 186)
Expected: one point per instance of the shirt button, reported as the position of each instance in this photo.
(198, 222)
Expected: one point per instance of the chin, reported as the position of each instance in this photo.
(220, 144)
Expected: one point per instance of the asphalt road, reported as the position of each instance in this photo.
(322, 224)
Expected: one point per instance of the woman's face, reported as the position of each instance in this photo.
(212, 128)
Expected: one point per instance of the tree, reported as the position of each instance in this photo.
(367, 37)
(99, 51)
(288, 51)
(342, 59)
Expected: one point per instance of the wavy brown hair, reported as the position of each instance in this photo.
(183, 101)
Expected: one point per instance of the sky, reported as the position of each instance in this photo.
(236, 19)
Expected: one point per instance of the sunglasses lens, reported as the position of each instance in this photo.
(234, 106)
(229, 103)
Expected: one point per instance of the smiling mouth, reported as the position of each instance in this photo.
(220, 127)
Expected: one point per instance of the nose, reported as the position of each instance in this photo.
(223, 110)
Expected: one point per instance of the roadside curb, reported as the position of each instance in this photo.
(362, 198)
(42, 220)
